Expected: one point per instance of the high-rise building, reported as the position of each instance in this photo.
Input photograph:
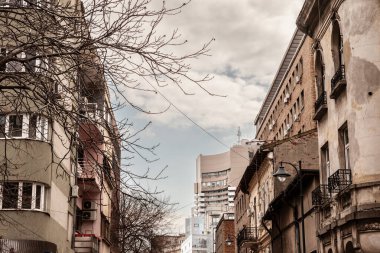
(216, 179)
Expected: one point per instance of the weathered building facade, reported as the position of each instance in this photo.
(58, 152)
(286, 127)
(347, 70)
(224, 235)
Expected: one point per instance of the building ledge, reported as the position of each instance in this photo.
(338, 88)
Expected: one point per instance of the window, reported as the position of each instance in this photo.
(302, 101)
(15, 125)
(336, 45)
(345, 146)
(2, 125)
(22, 195)
(319, 73)
(3, 53)
(325, 159)
(24, 126)
(29, 3)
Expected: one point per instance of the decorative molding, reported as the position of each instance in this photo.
(373, 226)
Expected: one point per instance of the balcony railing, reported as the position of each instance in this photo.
(320, 106)
(248, 235)
(340, 180)
(86, 243)
(338, 82)
(320, 195)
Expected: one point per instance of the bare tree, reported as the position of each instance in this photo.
(141, 222)
(61, 62)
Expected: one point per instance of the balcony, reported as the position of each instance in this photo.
(338, 83)
(248, 237)
(339, 181)
(320, 195)
(320, 106)
(89, 175)
(86, 243)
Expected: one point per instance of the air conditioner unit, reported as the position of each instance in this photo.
(285, 100)
(285, 132)
(288, 126)
(89, 205)
(297, 117)
(270, 127)
(89, 215)
(273, 122)
(298, 80)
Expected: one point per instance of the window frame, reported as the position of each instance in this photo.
(41, 128)
(20, 196)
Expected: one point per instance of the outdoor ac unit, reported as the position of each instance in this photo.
(298, 80)
(89, 215)
(285, 100)
(285, 132)
(297, 117)
(270, 126)
(288, 126)
(273, 122)
(89, 205)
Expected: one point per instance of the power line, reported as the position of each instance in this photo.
(195, 123)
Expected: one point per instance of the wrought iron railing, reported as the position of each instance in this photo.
(339, 75)
(248, 234)
(322, 100)
(340, 180)
(320, 195)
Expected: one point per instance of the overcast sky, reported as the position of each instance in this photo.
(251, 37)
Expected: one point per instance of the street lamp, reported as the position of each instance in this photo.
(281, 174)
(229, 241)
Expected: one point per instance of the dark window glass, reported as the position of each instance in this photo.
(38, 196)
(27, 195)
(15, 125)
(32, 126)
(10, 195)
(31, 64)
(2, 126)
(3, 51)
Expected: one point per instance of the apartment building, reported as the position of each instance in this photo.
(216, 179)
(288, 107)
(286, 127)
(224, 235)
(346, 55)
(58, 152)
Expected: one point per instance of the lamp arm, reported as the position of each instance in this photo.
(298, 170)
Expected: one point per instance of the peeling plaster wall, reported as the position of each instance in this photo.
(359, 105)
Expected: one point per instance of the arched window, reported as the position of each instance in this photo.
(319, 72)
(349, 247)
(337, 46)
(338, 81)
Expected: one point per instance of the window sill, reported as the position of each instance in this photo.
(25, 210)
(24, 138)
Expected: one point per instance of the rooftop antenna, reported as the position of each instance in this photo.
(239, 135)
